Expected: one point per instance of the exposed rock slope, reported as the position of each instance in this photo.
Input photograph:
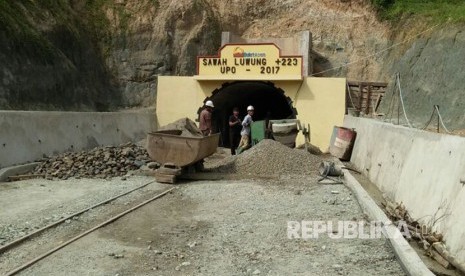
(107, 54)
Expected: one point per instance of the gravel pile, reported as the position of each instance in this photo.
(102, 162)
(270, 158)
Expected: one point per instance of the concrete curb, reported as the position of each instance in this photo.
(408, 258)
(15, 170)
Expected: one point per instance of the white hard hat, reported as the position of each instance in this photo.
(250, 108)
(209, 103)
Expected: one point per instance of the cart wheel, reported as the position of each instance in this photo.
(199, 166)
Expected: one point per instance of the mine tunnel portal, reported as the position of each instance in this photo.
(269, 101)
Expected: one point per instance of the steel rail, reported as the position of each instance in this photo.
(38, 231)
(51, 251)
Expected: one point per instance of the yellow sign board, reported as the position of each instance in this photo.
(249, 62)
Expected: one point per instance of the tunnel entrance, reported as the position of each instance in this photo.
(267, 99)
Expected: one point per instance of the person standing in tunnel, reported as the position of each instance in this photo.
(268, 130)
(245, 132)
(205, 119)
(235, 127)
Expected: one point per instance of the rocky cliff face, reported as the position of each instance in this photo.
(49, 60)
(431, 71)
(159, 38)
(343, 33)
(99, 55)
(107, 54)
(164, 37)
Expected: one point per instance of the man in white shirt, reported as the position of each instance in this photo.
(245, 132)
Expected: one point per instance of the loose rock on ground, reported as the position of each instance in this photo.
(102, 162)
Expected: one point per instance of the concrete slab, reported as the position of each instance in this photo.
(15, 170)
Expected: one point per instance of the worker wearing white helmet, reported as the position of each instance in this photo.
(205, 118)
(245, 133)
(209, 104)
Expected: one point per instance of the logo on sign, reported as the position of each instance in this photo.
(240, 53)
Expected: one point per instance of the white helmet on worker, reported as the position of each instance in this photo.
(209, 103)
(250, 108)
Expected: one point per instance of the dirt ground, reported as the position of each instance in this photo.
(31, 204)
(202, 228)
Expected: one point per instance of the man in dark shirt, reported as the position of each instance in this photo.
(235, 127)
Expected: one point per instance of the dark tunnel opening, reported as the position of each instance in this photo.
(267, 99)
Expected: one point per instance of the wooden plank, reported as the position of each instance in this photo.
(368, 99)
(165, 178)
(378, 101)
(25, 176)
(374, 83)
(360, 102)
(441, 249)
(440, 259)
(166, 170)
(372, 96)
(367, 95)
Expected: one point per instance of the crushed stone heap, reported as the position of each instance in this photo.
(270, 158)
(101, 162)
(106, 162)
(186, 125)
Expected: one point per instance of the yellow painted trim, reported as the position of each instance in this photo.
(319, 101)
(249, 78)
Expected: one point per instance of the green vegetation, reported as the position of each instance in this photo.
(435, 10)
(20, 21)
(98, 21)
(21, 32)
(156, 4)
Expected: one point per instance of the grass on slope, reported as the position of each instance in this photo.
(15, 26)
(435, 10)
(21, 21)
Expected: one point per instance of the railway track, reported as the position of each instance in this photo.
(18, 242)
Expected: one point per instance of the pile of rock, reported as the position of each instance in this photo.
(187, 127)
(270, 158)
(102, 162)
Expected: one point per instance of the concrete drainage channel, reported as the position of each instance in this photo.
(410, 261)
(408, 258)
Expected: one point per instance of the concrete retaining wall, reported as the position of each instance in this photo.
(421, 169)
(27, 135)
